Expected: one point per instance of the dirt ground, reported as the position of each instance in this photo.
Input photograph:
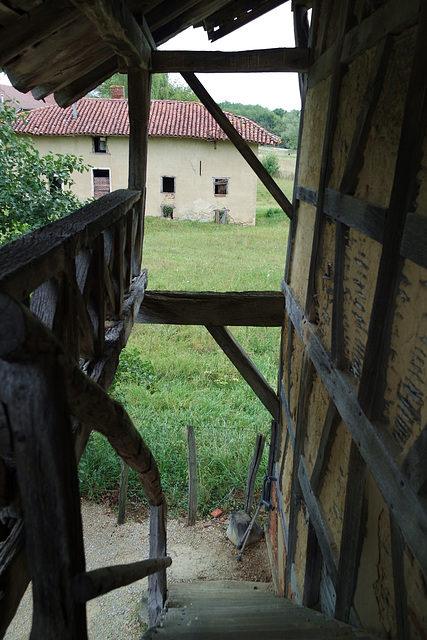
(202, 552)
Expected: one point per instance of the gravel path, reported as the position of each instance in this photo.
(202, 552)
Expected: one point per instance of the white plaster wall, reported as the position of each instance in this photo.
(193, 163)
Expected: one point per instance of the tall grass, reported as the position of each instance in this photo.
(172, 376)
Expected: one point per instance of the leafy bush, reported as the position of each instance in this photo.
(34, 189)
(271, 163)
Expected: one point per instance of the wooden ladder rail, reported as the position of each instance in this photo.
(73, 274)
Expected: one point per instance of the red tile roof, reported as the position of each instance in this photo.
(109, 117)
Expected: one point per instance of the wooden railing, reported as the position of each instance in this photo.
(68, 301)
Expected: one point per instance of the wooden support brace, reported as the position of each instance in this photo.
(240, 144)
(26, 337)
(101, 581)
(245, 366)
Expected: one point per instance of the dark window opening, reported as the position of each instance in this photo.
(168, 184)
(100, 144)
(220, 186)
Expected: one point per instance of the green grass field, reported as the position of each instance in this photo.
(172, 376)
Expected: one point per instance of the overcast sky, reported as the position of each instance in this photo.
(272, 90)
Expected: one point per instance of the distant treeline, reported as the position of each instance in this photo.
(284, 124)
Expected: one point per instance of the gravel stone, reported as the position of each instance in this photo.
(201, 552)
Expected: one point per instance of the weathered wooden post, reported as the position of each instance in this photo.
(253, 469)
(124, 477)
(192, 476)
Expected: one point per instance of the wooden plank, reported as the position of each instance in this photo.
(33, 27)
(252, 473)
(248, 370)
(414, 240)
(313, 569)
(117, 26)
(81, 86)
(28, 262)
(318, 522)
(101, 581)
(186, 19)
(103, 370)
(363, 216)
(94, 57)
(353, 533)
(327, 437)
(232, 308)
(26, 338)
(391, 18)
(373, 91)
(226, 26)
(373, 378)
(164, 12)
(415, 463)
(157, 585)
(263, 60)
(399, 581)
(192, 476)
(239, 143)
(406, 505)
(47, 476)
(330, 127)
(305, 386)
(123, 489)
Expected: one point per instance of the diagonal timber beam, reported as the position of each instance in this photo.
(246, 368)
(240, 144)
(117, 26)
(262, 60)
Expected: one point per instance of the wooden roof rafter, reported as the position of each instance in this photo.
(117, 26)
(236, 15)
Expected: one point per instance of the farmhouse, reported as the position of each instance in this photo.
(194, 172)
(347, 466)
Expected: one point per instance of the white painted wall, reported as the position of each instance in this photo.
(193, 163)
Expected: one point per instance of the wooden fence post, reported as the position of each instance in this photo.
(157, 585)
(253, 469)
(123, 490)
(192, 476)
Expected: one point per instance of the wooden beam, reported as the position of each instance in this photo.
(263, 60)
(101, 581)
(33, 27)
(191, 14)
(117, 26)
(35, 394)
(357, 214)
(25, 337)
(248, 370)
(79, 87)
(233, 308)
(28, 262)
(406, 505)
(239, 143)
(224, 22)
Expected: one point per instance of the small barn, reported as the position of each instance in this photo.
(194, 172)
(348, 535)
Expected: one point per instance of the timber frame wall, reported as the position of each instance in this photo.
(350, 531)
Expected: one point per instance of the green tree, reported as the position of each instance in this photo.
(271, 163)
(161, 88)
(34, 189)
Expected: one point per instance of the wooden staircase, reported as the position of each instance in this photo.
(242, 610)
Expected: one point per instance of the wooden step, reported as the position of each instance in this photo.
(242, 610)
